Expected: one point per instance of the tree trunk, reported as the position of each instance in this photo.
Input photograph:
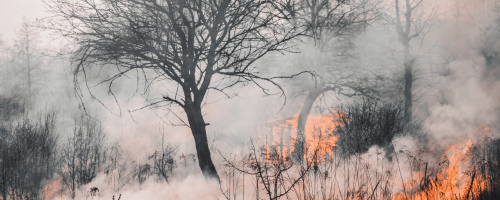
(404, 38)
(198, 128)
(313, 93)
(4, 182)
(408, 66)
(29, 75)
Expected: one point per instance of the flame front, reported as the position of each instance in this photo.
(453, 178)
(456, 181)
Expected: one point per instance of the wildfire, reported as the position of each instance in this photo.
(456, 181)
(458, 176)
(319, 137)
(281, 135)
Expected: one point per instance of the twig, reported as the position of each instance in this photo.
(373, 192)
(471, 183)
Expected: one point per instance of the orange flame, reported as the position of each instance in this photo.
(319, 137)
(451, 183)
(50, 189)
(281, 134)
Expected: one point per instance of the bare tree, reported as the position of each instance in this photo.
(29, 58)
(27, 156)
(22, 63)
(163, 161)
(193, 46)
(274, 171)
(26, 36)
(413, 26)
(116, 166)
(329, 50)
(83, 154)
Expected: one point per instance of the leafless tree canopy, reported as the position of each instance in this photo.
(330, 51)
(195, 46)
(83, 154)
(27, 156)
(185, 42)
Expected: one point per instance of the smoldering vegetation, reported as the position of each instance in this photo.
(237, 99)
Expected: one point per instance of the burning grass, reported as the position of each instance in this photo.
(467, 171)
(455, 180)
(382, 169)
(341, 161)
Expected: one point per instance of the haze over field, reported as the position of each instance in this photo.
(237, 99)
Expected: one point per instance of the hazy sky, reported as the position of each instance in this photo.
(12, 12)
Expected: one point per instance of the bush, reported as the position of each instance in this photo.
(83, 154)
(368, 123)
(27, 156)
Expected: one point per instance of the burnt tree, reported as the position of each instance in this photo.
(329, 50)
(194, 46)
(415, 25)
(404, 38)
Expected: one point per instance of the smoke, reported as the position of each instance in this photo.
(190, 187)
(467, 97)
(464, 97)
(468, 104)
(453, 108)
